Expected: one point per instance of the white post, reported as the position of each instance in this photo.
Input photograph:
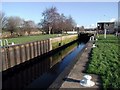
(116, 33)
(90, 38)
(104, 33)
(93, 38)
(13, 43)
(50, 43)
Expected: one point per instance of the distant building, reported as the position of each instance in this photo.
(109, 26)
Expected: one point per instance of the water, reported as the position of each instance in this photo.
(43, 73)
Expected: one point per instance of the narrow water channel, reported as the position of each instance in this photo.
(43, 73)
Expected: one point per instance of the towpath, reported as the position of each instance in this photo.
(78, 71)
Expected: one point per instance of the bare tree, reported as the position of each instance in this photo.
(62, 23)
(53, 22)
(3, 20)
(50, 20)
(69, 24)
(13, 24)
(29, 26)
(82, 28)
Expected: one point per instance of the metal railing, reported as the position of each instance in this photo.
(3, 42)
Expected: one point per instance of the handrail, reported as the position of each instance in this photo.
(6, 42)
(1, 44)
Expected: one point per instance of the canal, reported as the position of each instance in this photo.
(42, 71)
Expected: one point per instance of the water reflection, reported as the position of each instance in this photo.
(44, 72)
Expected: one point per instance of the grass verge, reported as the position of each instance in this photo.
(25, 39)
(105, 61)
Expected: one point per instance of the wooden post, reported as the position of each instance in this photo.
(27, 49)
(39, 50)
(3, 59)
(17, 57)
(44, 45)
(35, 49)
(47, 45)
(12, 57)
(42, 50)
(23, 53)
(32, 53)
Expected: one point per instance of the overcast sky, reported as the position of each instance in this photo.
(84, 13)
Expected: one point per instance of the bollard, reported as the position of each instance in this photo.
(93, 46)
(86, 81)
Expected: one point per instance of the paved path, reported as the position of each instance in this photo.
(77, 73)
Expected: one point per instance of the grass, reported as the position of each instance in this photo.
(24, 39)
(105, 61)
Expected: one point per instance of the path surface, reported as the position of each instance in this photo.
(77, 73)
